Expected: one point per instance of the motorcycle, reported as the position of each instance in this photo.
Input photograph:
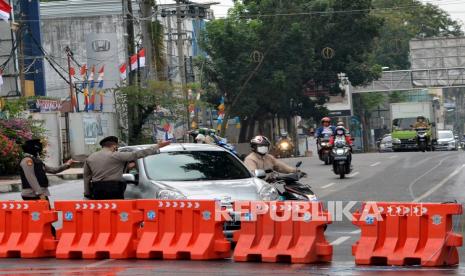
(324, 148)
(288, 185)
(342, 157)
(422, 138)
(284, 149)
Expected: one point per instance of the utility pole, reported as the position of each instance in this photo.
(182, 71)
(147, 39)
(69, 54)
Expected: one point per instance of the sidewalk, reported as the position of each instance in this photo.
(13, 184)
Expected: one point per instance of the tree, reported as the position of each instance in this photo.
(403, 21)
(364, 105)
(288, 55)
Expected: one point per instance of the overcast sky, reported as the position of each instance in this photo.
(456, 8)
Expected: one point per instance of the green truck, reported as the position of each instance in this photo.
(404, 117)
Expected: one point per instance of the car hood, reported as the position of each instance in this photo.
(446, 140)
(241, 189)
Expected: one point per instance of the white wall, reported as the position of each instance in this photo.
(52, 125)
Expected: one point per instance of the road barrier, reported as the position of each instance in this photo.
(26, 229)
(287, 231)
(401, 233)
(98, 229)
(181, 229)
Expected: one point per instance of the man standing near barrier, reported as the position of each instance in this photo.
(33, 171)
(103, 170)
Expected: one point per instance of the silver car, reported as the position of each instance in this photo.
(446, 140)
(195, 171)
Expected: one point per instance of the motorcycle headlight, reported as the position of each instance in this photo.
(268, 192)
(284, 146)
(170, 194)
(324, 144)
(340, 151)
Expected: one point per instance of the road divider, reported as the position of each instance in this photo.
(283, 232)
(182, 229)
(403, 233)
(26, 229)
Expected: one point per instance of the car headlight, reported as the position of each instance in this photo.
(312, 198)
(170, 194)
(268, 192)
(395, 140)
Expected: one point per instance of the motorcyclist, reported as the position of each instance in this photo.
(260, 159)
(420, 123)
(341, 131)
(325, 128)
(285, 138)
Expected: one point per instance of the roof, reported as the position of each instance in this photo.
(82, 8)
(177, 147)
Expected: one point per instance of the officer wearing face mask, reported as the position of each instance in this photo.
(260, 159)
(33, 171)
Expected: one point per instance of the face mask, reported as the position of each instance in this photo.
(262, 150)
(340, 132)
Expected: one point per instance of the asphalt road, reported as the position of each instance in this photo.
(406, 176)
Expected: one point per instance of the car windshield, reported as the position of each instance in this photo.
(445, 135)
(404, 123)
(195, 166)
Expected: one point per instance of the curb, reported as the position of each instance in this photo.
(14, 185)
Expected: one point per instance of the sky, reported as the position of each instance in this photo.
(456, 8)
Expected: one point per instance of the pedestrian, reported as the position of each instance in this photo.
(103, 170)
(34, 181)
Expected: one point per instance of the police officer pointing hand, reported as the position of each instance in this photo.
(33, 171)
(103, 170)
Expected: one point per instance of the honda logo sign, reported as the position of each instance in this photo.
(101, 45)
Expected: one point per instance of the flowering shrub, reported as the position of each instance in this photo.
(14, 131)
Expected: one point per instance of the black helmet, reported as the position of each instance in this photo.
(421, 118)
(34, 147)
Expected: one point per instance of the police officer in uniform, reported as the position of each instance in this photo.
(103, 170)
(33, 171)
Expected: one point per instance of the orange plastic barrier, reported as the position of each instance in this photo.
(98, 229)
(282, 232)
(181, 229)
(25, 229)
(403, 233)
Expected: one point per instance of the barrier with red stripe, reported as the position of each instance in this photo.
(287, 231)
(181, 229)
(98, 229)
(404, 233)
(26, 229)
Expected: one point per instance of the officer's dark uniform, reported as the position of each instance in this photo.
(103, 170)
(33, 171)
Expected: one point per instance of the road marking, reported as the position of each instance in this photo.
(327, 186)
(410, 186)
(340, 240)
(99, 263)
(375, 164)
(440, 184)
(392, 157)
(356, 232)
(353, 174)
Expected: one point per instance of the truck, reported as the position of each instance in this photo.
(403, 118)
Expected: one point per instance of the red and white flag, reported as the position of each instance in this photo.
(133, 62)
(5, 10)
(123, 71)
(141, 55)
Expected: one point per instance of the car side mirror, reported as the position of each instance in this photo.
(260, 174)
(130, 178)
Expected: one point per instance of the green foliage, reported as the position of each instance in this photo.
(291, 50)
(405, 20)
(397, 97)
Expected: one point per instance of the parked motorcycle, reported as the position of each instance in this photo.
(324, 148)
(288, 185)
(422, 138)
(342, 157)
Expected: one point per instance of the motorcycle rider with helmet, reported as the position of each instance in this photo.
(260, 159)
(325, 128)
(341, 131)
(421, 123)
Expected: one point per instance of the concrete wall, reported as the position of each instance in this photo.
(88, 129)
(52, 125)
